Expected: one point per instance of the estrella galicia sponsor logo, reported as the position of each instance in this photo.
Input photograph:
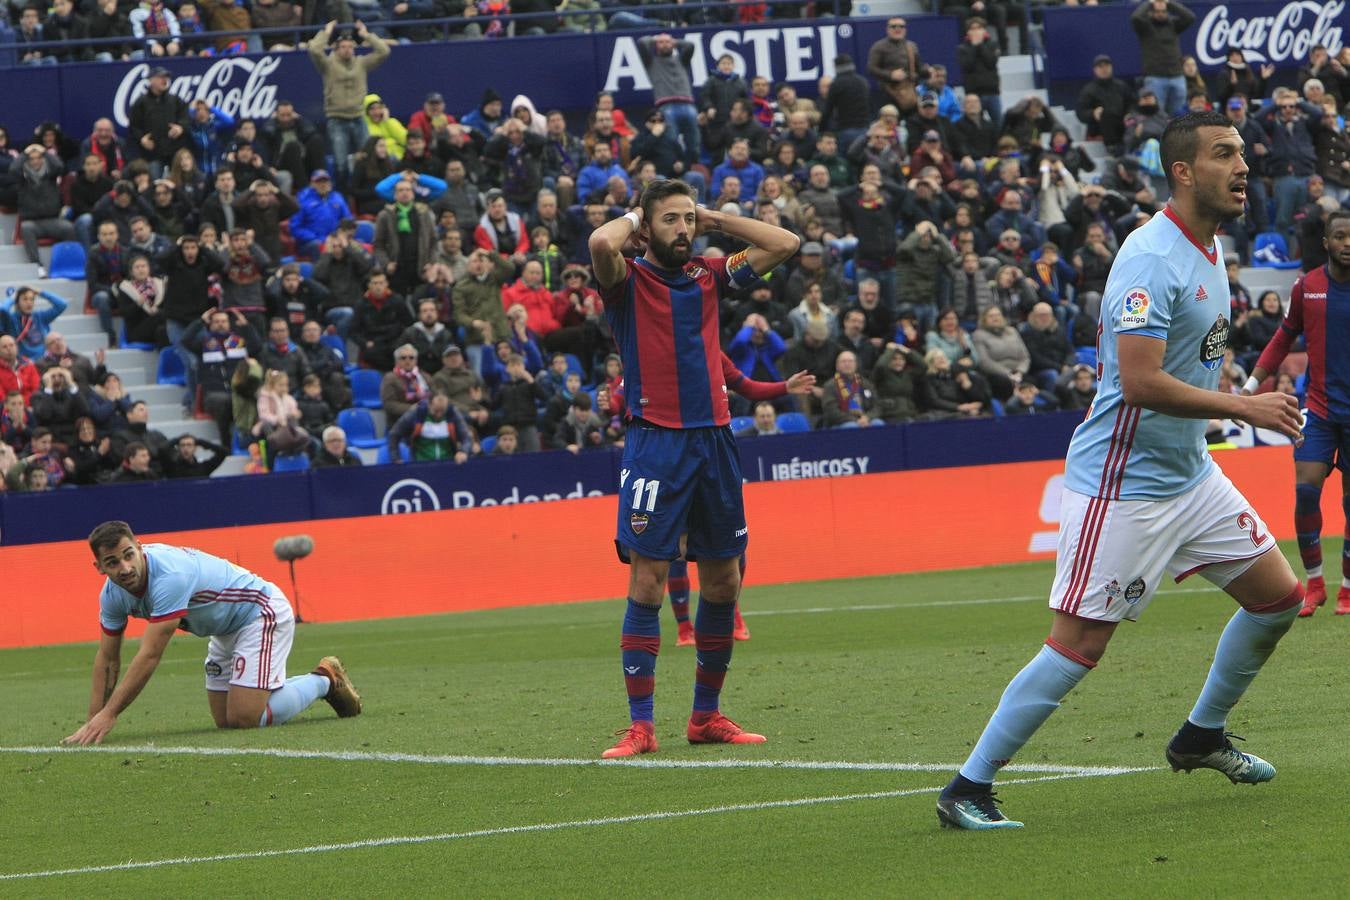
(409, 495)
(1134, 590)
(213, 668)
(1214, 343)
(638, 522)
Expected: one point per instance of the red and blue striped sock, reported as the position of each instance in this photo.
(640, 642)
(712, 641)
(1308, 526)
(677, 584)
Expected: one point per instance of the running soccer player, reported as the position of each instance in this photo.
(1142, 496)
(677, 577)
(1319, 309)
(680, 474)
(248, 620)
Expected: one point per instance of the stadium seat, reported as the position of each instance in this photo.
(360, 428)
(1271, 252)
(997, 407)
(236, 448)
(792, 423)
(1087, 356)
(488, 444)
(336, 342)
(382, 455)
(67, 261)
(131, 345)
(365, 231)
(366, 388)
(740, 423)
(290, 462)
(170, 368)
(306, 270)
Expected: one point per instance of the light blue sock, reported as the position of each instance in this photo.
(293, 698)
(1030, 698)
(1246, 643)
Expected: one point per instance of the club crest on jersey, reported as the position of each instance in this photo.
(638, 522)
(694, 271)
(1201, 295)
(1134, 311)
(1214, 343)
(1135, 590)
(1113, 590)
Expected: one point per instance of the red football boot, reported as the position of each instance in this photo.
(1313, 597)
(686, 636)
(741, 631)
(718, 729)
(1343, 601)
(640, 737)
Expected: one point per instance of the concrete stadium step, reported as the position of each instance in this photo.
(233, 465)
(1016, 74)
(12, 254)
(1258, 278)
(71, 291)
(198, 428)
(85, 342)
(7, 222)
(72, 323)
(160, 395)
(18, 271)
(163, 412)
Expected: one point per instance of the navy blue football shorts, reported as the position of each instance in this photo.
(677, 481)
(1324, 442)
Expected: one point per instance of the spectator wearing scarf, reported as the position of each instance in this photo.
(404, 387)
(849, 397)
(405, 239)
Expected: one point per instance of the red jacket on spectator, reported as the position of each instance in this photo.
(420, 121)
(22, 376)
(920, 159)
(569, 314)
(540, 305)
(485, 235)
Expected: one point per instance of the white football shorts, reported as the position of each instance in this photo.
(1113, 553)
(255, 655)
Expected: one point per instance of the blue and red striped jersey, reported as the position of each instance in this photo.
(665, 323)
(1319, 309)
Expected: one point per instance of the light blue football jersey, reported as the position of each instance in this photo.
(1168, 286)
(210, 594)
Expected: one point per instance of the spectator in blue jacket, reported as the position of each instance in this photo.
(433, 430)
(594, 176)
(20, 317)
(1010, 216)
(207, 133)
(1293, 127)
(425, 187)
(739, 163)
(755, 349)
(321, 209)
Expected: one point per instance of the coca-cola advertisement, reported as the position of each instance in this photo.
(1268, 33)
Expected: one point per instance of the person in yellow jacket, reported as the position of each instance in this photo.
(379, 123)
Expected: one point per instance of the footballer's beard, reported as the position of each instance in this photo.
(672, 255)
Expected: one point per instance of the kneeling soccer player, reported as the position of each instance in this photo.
(248, 620)
(1142, 496)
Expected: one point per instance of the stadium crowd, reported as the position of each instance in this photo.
(952, 263)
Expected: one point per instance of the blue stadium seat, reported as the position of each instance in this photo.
(1087, 356)
(131, 345)
(1272, 242)
(306, 270)
(290, 462)
(382, 455)
(366, 388)
(67, 261)
(365, 231)
(360, 427)
(998, 407)
(236, 448)
(170, 368)
(793, 422)
(336, 342)
(488, 444)
(740, 423)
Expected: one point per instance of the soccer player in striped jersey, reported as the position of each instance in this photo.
(1142, 497)
(1319, 309)
(248, 620)
(677, 578)
(680, 475)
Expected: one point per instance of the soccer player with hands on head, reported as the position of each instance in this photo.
(680, 479)
(248, 620)
(1319, 310)
(1143, 499)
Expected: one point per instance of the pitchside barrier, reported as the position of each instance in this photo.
(533, 553)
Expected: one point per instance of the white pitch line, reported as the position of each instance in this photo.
(808, 610)
(512, 829)
(558, 762)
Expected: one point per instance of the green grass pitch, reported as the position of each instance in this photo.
(901, 670)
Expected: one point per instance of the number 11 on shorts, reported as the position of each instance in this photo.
(650, 487)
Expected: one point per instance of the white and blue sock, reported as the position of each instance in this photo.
(1030, 698)
(293, 698)
(1246, 643)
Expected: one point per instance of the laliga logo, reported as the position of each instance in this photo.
(1287, 35)
(409, 496)
(235, 85)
